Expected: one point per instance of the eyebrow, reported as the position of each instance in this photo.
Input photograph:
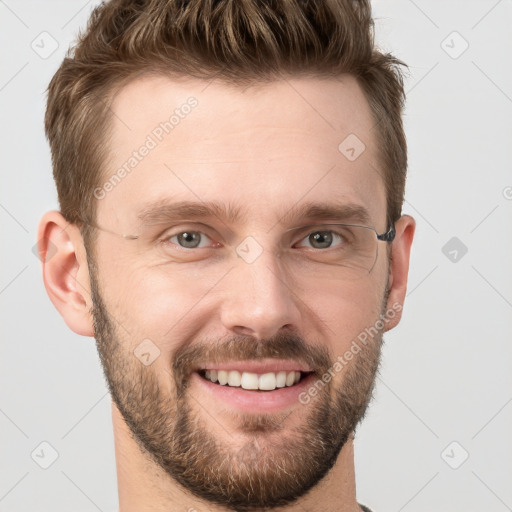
(335, 211)
(164, 211)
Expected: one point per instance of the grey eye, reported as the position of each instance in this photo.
(321, 239)
(189, 239)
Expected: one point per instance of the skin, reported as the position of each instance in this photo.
(267, 149)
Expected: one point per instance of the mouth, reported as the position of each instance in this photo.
(256, 386)
(252, 381)
(252, 387)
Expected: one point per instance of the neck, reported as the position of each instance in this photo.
(144, 486)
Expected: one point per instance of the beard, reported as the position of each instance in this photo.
(266, 464)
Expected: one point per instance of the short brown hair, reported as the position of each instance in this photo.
(239, 41)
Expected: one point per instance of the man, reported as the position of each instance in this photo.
(230, 176)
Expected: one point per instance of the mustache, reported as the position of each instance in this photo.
(243, 348)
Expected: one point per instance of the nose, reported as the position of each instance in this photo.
(259, 298)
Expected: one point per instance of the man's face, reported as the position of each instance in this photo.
(246, 294)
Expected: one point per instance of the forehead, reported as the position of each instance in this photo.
(266, 148)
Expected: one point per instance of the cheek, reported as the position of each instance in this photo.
(155, 304)
(346, 311)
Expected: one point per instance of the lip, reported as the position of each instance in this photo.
(260, 366)
(252, 401)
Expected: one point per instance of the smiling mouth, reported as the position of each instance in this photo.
(253, 381)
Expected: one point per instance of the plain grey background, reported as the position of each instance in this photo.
(437, 435)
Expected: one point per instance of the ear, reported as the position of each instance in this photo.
(65, 271)
(399, 267)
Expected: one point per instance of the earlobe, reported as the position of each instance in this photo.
(65, 271)
(399, 268)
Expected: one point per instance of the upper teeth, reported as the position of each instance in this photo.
(248, 380)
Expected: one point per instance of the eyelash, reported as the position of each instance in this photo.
(166, 239)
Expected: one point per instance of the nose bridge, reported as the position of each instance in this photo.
(258, 298)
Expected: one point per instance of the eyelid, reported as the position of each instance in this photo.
(203, 229)
(329, 225)
(182, 228)
(313, 228)
(307, 231)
